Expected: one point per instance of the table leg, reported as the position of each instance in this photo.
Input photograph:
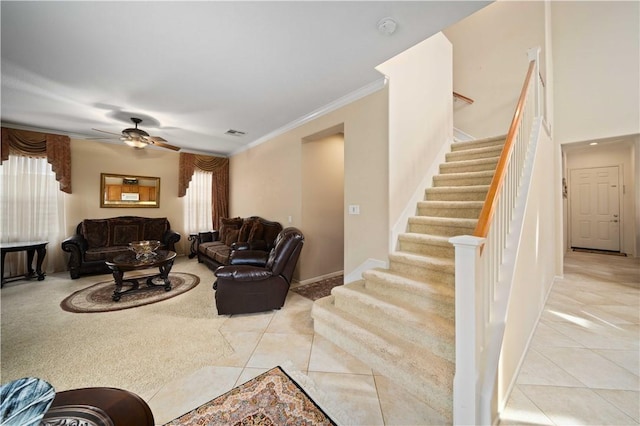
(164, 274)
(42, 252)
(117, 277)
(2, 280)
(30, 253)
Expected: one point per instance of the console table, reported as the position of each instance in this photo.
(31, 247)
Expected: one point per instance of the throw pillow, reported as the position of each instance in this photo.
(153, 229)
(232, 237)
(245, 230)
(123, 231)
(96, 232)
(257, 231)
(227, 224)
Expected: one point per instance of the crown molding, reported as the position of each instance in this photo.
(332, 106)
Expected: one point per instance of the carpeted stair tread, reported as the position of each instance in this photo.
(430, 326)
(464, 178)
(450, 209)
(477, 143)
(457, 193)
(385, 281)
(426, 244)
(423, 267)
(443, 226)
(427, 376)
(475, 153)
(477, 164)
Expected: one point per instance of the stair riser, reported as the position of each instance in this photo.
(455, 167)
(426, 249)
(468, 213)
(453, 180)
(444, 231)
(425, 297)
(439, 398)
(471, 155)
(422, 273)
(455, 196)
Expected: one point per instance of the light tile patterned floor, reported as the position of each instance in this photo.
(582, 367)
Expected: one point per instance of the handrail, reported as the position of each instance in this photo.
(488, 210)
(463, 98)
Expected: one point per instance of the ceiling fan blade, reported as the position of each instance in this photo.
(158, 141)
(104, 131)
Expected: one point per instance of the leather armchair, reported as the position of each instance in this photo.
(255, 281)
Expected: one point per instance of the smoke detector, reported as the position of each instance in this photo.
(387, 26)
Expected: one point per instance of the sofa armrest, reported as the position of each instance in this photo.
(242, 273)
(170, 238)
(249, 257)
(207, 237)
(76, 242)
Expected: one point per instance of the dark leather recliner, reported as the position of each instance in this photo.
(258, 281)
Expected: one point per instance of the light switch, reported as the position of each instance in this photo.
(354, 209)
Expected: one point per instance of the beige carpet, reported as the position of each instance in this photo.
(119, 349)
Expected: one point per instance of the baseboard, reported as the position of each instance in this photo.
(295, 283)
(356, 274)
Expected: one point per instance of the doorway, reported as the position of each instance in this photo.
(323, 205)
(594, 200)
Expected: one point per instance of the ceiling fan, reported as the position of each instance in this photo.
(138, 138)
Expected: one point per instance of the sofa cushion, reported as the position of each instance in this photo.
(96, 232)
(216, 251)
(105, 253)
(245, 230)
(153, 229)
(124, 231)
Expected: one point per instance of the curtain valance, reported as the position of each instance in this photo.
(219, 168)
(55, 148)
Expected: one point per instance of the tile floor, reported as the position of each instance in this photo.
(582, 367)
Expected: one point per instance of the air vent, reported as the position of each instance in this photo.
(235, 132)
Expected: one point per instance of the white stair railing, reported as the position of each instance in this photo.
(482, 281)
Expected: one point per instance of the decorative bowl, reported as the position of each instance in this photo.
(144, 249)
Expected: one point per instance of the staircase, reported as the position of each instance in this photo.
(401, 320)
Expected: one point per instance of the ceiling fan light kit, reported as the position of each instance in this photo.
(138, 138)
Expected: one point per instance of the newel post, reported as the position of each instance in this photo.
(469, 323)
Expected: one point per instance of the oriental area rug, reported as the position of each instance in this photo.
(97, 298)
(270, 399)
(319, 289)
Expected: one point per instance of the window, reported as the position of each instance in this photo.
(197, 214)
(32, 210)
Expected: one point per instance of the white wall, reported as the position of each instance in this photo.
(420, 117)
(490, 63)
(596, 56)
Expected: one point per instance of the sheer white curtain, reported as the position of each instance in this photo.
(32, 210)
(197, 203)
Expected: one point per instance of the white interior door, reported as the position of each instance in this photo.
(594, 196)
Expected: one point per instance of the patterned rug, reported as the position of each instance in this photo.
(319, 289)
(271, 399)
(97, 298)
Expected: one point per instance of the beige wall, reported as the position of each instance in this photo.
(420, 119)
(490, 63)
(596, 54)
(266, 180)
(89, 159)
(323, 206)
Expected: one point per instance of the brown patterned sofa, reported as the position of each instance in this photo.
(100, 240)
(213, 248)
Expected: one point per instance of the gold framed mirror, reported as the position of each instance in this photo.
(129, 191)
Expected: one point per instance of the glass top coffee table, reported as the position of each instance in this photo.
(162, 259)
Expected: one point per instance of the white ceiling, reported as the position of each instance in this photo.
(193, 70)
